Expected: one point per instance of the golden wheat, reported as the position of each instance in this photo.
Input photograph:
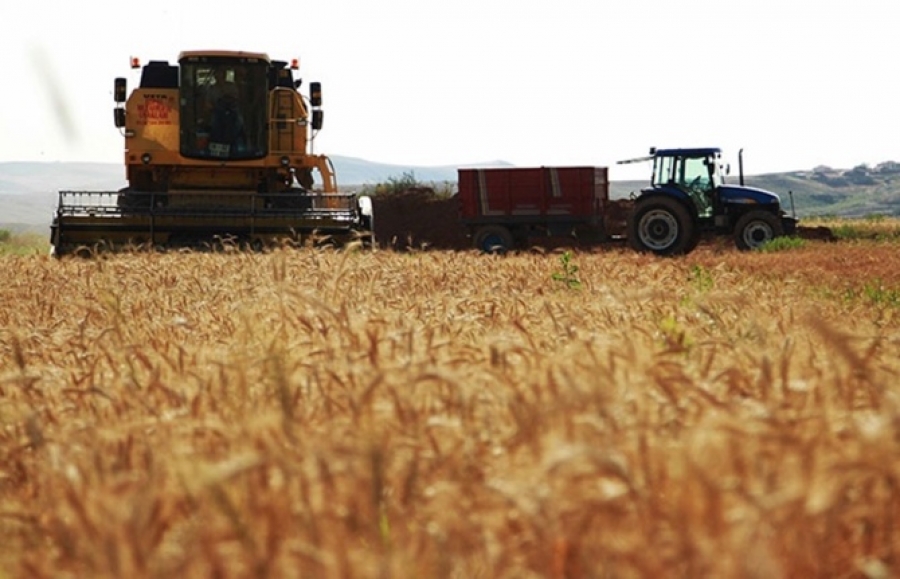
(306, 413)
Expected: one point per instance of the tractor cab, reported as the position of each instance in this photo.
(693, 173)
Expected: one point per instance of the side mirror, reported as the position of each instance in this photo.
(120, 90)
(318, 116)
(298, 82)
(315, 94)
(119, 114)
(728, 168)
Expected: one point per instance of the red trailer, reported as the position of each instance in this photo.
(502, 207)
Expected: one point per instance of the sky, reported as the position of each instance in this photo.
(794, 83)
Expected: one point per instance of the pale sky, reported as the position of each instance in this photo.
(795, 83)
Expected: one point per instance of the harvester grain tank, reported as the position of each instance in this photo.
(217, 146)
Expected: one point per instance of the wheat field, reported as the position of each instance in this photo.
(356, 414)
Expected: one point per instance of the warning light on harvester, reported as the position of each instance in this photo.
(135, 62)
(295, 63)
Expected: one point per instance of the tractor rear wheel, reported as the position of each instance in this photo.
(755, 229)
(661, 225)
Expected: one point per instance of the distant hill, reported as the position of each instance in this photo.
(28, 190)
(856, 192)
(17, 178)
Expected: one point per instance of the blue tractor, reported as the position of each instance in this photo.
(688, 198)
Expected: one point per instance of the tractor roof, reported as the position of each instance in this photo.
(693, 152)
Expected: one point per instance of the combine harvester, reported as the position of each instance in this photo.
(218, 148)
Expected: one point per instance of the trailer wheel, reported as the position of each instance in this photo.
(661, 225)
(493, 239)
(755, 229)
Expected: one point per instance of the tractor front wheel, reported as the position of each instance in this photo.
(755, 229)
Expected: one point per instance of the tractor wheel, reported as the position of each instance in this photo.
(494, 239)
(661, 225)
(755, 229)
(695, 241)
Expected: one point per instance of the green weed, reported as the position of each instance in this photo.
(874, 293)
(674, 335)
(701, 278)
(568, 275)
(783, 243)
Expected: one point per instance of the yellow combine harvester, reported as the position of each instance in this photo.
(217, 146)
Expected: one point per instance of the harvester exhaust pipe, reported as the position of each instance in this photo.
(741, 165)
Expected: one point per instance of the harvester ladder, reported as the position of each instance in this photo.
(284, 120)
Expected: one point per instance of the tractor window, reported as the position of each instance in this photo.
(224, 109)
(697, 182)
(665, 168)
(696, 175)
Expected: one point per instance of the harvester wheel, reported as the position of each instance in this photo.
(493, 239)
(661, 225)
(755, 229)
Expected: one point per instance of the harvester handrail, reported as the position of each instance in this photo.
(105, 204)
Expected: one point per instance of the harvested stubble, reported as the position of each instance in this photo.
(319, 414)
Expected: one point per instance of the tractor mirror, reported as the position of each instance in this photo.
(119, 92)
(315, 94)
(119, 114)
(318, 116)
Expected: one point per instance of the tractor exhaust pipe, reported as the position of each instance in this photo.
(741, 165)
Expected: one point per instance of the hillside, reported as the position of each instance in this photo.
(28, 190)
(856, 192)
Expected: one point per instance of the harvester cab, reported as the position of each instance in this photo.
(688, 197)
(217, 145)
